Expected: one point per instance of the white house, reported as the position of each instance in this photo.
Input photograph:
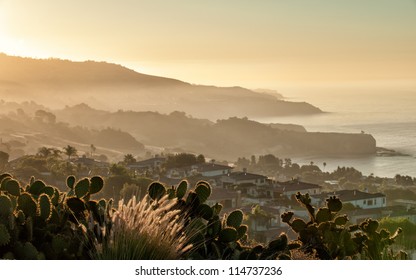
(357, 198)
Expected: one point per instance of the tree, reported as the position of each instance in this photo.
(200, 158)
(118, 170)
(44, 152)
(324, 164)
(70, 151)
(180, 160)
(129, 159)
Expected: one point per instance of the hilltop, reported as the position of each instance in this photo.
(53, 82)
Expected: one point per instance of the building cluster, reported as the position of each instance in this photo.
(263, 199)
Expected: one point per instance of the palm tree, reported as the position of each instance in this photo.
(129, 159)
(70, 151)
(44, 152)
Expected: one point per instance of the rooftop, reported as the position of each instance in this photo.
(296, 185)
(222, 194)
(241, 176)
(205, 167)
(351, 195)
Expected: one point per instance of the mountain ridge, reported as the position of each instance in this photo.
(57, 82)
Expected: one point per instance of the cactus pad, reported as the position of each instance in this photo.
(279, 244)
(235, 219)
(36, 187)
(12, 187)
(4, 175)
(341, 220)
(70, 181)
(44, 207)
(82, 188)
(48, 190)
(369, 226)
(334, 204)
(287, 216)
(298, 225)
(242, 230)
(205, 211)
(156, 190)
(203, 190)
(181, 189)
(217, 208)
(97, 183)
(75, 204)
(27, 204)
(228, 234)
(323, 215)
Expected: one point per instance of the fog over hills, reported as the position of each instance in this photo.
(56, 83)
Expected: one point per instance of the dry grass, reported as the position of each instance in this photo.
(146, 230)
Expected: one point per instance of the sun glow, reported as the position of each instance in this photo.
(11, 46)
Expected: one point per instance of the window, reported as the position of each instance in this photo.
(369, 202)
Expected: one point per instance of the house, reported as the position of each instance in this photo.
(212, 169)
(294, 186)
(146, 165)
(363, 200)
(180, 172)
(228, 199)
(90, 162)
(239, 178)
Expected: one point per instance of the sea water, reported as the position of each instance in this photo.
(388, 113)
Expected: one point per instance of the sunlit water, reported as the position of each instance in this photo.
(388, 114)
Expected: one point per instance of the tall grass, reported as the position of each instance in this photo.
(146, 230)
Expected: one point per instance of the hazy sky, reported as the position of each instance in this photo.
(224, 42)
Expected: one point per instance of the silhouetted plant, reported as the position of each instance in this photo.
(328, 234)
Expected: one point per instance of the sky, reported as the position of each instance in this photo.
(253, 43)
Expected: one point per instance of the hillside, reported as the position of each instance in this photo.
(54, 82)
(224, 139)
(128, 131)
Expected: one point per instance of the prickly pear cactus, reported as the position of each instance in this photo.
(41, 222)
(211, 236)
(329, 236)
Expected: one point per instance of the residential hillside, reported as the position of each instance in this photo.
(53, 82)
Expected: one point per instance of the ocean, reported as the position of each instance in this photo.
(388, 113)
